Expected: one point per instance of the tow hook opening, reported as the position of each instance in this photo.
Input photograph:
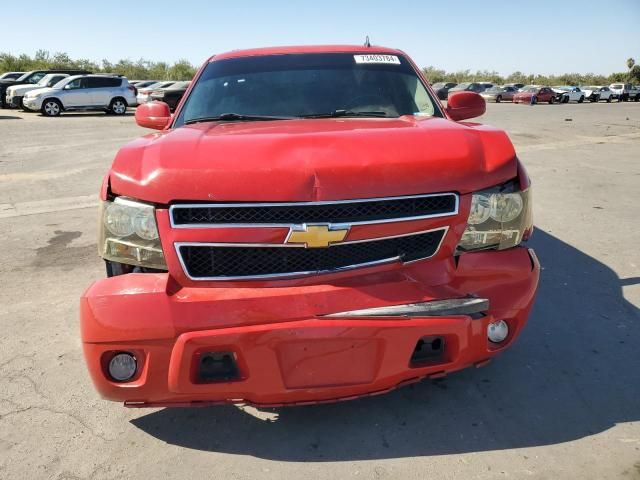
(217, 367)
(427, 350)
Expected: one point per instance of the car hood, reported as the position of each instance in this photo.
(22, 89)
(312, 160)
(8, 83)
(42, 90)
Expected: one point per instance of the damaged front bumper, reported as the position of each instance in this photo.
(303, 344)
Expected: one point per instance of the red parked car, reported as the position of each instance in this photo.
(311, 225)
(533, 95)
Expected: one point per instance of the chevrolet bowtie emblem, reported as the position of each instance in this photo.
(316, 236)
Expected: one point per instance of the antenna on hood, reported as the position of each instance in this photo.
(367, 43)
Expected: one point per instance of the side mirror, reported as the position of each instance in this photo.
(463, 105)
(67, 87)
(153, 115)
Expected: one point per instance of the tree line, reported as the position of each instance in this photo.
(183, 70)
(135, 70)
(631, 75)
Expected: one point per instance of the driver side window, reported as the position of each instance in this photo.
(76, 84)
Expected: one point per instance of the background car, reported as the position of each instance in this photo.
(15, 93)
(597, 93)
(487, 85)
(144, 83)
(569, 94)
(11, 75)
(626, 91)
(171, 95)
(33, 77)
(498, 94)
(442, 89)
(517, 86)
(468, 87)
(533, 95)
(83, 92)
(143, 95)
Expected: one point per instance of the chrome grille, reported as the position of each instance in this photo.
(354, 212)
(202, 261)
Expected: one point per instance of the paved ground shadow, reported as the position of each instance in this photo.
(85, 114)
(573, 373)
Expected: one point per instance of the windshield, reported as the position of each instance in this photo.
(35, 78)
(297, 85)
(23, 77)
(44, 80)
(63, 82)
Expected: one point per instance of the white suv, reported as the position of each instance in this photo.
(109, 93)
(15, 93)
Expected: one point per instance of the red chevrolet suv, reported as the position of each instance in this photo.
(311, 225)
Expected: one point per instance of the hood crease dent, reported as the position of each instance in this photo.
(313, 160)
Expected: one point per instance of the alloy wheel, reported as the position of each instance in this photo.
(52, 109)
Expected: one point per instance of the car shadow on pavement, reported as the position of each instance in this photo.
(573, 373)
(9, 117)
(77, 114)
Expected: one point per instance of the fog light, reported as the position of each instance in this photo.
(497, 331)
(122, 367)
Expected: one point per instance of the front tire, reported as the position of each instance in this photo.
(51, 107)
(552, 100)
(609, 99)
(498, 98)
(118, 106)
(581, 99)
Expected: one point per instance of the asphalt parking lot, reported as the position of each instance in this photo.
(564, 402)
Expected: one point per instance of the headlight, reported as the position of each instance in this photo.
(499, 218)
(129, 234)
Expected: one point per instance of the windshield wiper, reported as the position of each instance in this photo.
(224, 117)
(345, 113)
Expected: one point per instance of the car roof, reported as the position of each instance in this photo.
(94, 75)
(179, 85)
(361, 49)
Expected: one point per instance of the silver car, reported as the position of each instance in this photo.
(111, 94)
(144, 93)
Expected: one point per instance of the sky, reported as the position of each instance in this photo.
(544, 37)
